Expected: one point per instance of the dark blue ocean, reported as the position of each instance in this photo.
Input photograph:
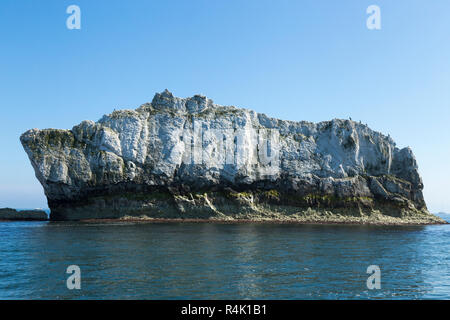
(222, 261)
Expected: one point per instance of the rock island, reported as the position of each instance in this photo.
(191, 159)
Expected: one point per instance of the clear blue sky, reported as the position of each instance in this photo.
(300, 60)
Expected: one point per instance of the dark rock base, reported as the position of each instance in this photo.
(254, 205)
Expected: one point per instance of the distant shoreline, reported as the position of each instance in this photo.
(9, 214)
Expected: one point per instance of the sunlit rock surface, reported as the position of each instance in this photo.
(192, 159)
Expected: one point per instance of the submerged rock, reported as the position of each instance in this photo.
(191, 158)
(12, 214)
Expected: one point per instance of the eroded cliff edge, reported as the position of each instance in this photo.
(191, 158)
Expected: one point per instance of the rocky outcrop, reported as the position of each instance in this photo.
(28, 215)
(191, 158)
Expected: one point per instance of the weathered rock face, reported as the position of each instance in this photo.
(191, 158)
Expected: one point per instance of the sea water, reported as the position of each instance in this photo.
(222, 261)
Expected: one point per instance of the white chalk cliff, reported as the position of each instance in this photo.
(191, 158)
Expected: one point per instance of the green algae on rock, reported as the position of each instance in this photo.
(189, 158)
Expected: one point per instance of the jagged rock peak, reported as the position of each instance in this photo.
(196, 104)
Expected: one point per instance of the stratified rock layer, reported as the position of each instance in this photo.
(191, 158)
